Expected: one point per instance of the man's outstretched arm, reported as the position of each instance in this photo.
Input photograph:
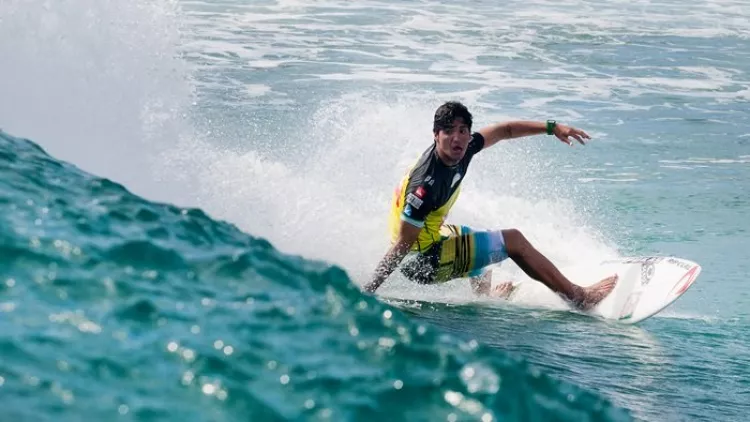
(406, 238)
(520, 128)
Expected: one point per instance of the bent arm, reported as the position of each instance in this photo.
(407, 236)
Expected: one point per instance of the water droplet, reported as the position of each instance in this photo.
(123, 409)
(195, 329)
(387, 314)
(109, 284)
(452, 417)
(188, 355)
(386, 342)
(208, 389)
(187, 378)
(353, 331)
(284, 379)
(89, 327)
(222, 395)
(453, 397)
(421, 330)
(480, 378)
(487, 417)
(2, 381)
(228, 350)
(10, 282)
(309, 403)
(172, 346)
(66, 396)
(272, 364)
(398, 384)
(218, 344)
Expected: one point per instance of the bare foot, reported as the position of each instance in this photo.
(503, 290)
(596, 293)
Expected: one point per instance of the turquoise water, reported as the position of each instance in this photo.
(192, 191)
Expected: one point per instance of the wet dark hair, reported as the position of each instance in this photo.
(447, 113)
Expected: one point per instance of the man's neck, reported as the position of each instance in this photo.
(446, 161)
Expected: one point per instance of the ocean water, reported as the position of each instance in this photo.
(192, 192)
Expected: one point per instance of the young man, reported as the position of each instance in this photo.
(440, 252)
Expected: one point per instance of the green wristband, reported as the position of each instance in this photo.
(551, 127)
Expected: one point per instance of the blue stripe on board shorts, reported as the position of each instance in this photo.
(462, 252)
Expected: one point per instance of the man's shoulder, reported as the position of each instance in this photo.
(475, 145)
(424, 165)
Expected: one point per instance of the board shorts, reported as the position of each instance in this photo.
(461, 252)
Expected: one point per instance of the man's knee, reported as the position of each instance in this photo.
(515, 242)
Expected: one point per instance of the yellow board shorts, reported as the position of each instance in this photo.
(461, 252)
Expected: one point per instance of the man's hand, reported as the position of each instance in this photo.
(564, 132)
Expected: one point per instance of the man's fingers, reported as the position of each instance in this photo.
(564, 139)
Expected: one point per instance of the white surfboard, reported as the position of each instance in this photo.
(646, 286)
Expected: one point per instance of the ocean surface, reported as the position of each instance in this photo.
(191, 193)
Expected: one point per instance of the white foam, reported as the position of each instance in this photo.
(605, 179)
(707, 160)
(334, 205)
(98, 83)
(257, 90)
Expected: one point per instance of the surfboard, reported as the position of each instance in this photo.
(646, 286)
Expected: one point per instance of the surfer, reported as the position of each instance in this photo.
(428, 251)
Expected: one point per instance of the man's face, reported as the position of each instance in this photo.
(452, 142)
